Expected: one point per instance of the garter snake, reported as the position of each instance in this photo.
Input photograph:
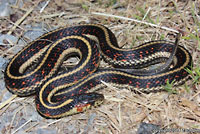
(34, 70)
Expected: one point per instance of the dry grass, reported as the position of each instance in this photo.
(123, 110)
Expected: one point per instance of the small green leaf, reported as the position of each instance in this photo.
(169, 87)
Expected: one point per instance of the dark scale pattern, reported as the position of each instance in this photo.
(24, 56)
(83, 79)
(49, 64)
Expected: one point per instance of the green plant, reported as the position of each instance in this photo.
(195, 74)
(169, 87)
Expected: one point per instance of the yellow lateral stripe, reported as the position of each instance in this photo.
(55, 91)
(42, 62)
(128, 75)
(67, 74)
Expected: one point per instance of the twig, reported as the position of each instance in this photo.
(13, 118)
(45, 126)
(194, 95)
(119, 115)
(27, 130)
(18, 22)
(7, 101)
(13, 23)
(52, 15)
(138, 21)
(22, 126)
(42, 9)
(146, 14)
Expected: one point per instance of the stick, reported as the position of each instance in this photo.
(138, 21)
(7, 101)
(18, 22)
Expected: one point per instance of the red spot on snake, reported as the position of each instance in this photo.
(58, 99)
(43, 72)
(83, 31)
(61, 34)
(75, 31)
(123, 79)
(38, 106)
(88, 70)
(47, 114)
(80, 107)
(96, 65)
(130, 82)
(85, 76)
(137, 83)
(157, 82)
(176, 76)
(38, 82)
(184, 72)
(80, 91)
(91, 84)
(124, 60)
(107, 51)
(147, 86)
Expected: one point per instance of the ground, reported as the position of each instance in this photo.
(133, 23)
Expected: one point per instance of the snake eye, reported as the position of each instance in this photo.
(90, 98)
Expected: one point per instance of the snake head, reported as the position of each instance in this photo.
(86, 101)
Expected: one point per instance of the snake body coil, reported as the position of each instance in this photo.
(35, 68)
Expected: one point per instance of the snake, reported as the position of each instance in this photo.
(36, 68)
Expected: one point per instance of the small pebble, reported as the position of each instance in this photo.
(34, 32)
(90, 122)
(6, 95)
(146, 128)
(3, 63)
(5, 9)
(18, 44)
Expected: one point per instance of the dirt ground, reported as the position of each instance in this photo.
(133, 23)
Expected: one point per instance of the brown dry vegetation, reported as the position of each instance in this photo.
(122, 110)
